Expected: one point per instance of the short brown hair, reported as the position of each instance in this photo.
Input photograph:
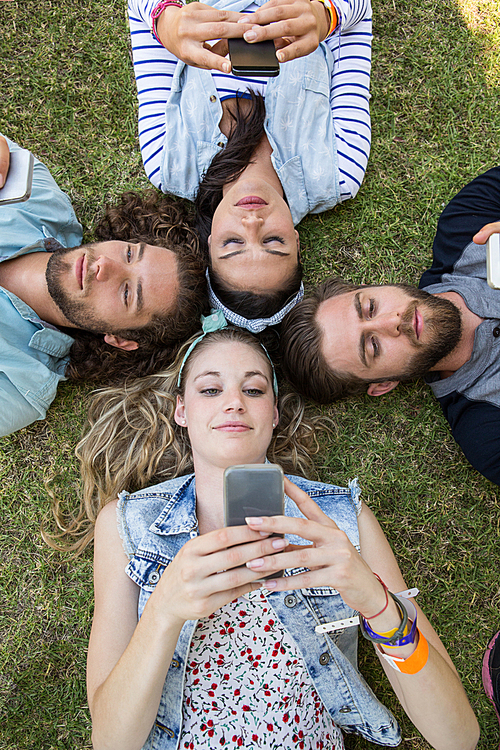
(302, 360)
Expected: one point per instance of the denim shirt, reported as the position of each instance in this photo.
(156, 522)
(33, 354)
(298, 125)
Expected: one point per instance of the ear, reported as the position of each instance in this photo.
(180, 412)
(125, 344)
(209, 241)
(378, 389)
(276, 416)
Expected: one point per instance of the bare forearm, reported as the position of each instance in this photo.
(125, 705)
(435, 701)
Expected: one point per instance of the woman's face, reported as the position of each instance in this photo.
(228, 405)
(254, 245)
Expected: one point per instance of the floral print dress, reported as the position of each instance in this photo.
(247, 685)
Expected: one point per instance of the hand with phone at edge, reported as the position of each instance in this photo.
(4, 160)
(297, 26)
(187, 31)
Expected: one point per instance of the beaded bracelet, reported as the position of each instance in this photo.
(158, 10)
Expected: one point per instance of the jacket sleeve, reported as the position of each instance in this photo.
(15, 411)
(477, 204)
(476, 428)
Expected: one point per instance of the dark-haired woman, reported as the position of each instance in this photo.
(255, 154)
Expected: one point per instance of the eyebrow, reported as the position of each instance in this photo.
(139, 296)
(265, 249)
(248, 374)
(362, 342)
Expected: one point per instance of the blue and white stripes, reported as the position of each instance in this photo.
(154, 68)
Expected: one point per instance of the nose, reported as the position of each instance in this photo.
(234, 400)
(252, 222)
(105, 268)
(388, 323)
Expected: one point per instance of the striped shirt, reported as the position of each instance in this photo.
(350, 46)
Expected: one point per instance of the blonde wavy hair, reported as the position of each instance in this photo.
(132, 440)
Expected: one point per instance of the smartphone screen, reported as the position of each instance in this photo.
(493, 261)
(17, 186)
(258, 59)
(253, 490)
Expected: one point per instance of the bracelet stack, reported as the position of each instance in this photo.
(406, 633)
(332, 13)
(158, 10)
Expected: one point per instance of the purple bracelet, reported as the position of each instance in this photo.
(397, 639)
(158, 10)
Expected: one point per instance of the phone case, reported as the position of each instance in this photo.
(493, 261)
(17, 186)
(257, 59)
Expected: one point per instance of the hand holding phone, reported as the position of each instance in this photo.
(493, 261)
(253, 490)
(17, 187)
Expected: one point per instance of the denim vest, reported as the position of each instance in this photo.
(298, 125)
(156, 522)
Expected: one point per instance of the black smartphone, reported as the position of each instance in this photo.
(253, 490)
(258, 59)
(17, 186)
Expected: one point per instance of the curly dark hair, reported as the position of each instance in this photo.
(161, 220)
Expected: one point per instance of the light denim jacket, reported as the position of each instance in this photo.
(298, 125)
(33, 354)
(156, 522)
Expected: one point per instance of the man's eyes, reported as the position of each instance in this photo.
(232, 240)
(375, 346)
(125, 295)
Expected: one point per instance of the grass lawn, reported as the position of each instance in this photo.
(67, 92)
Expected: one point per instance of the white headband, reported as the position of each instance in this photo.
(258, 324)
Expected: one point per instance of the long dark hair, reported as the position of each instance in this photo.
(229, 163)
(225, 167)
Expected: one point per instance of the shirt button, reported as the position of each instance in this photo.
(345, 710)
(496, 332)
(193, 534)
(290, 600)
(213, 98)
(324, 659)
(154, 577)
(174, 663)
(221, 144)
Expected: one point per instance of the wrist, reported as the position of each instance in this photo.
(322, 14)
(159, 17)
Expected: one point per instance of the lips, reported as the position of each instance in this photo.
(418, 323)
(251, 201)
(232, 427)
(79, 272)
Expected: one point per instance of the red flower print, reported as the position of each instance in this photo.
(242, 624)
(270, 728)
(213, 685)
(275, 666)
(222, 632)
(267, 628)
(267, 692)
(246, 708)
(225, 677)
(286, 717)
(240, 741)
(255, 738)
(211, 693)
(211, 733)
(216, 644)
(255, 664)
(203, 726)
(237, 691)
(207, 665)
(296, 718)
(242, 613)
(270, 622)
(210, 723)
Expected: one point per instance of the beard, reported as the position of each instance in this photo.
(443, 325)
(78, 312)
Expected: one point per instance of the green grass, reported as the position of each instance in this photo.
(67, 92)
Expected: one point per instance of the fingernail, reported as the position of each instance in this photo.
(2, 180)
(226, 67)
(279, 543)
(249, 36)
(258, 563)
(269, 584)
(254, 520)
(280, 55)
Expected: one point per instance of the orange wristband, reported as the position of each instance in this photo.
(413, 663)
